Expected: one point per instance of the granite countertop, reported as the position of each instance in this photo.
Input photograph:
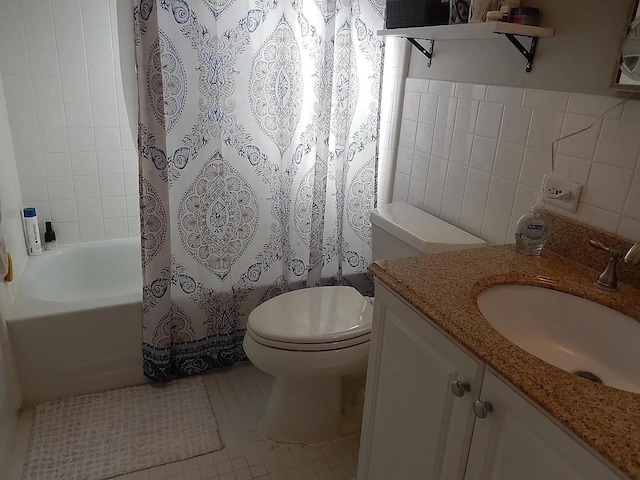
(445, 286)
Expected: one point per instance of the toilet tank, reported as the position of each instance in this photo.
(402, 230)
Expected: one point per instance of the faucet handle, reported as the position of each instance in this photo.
(600, 246)
(633, 255)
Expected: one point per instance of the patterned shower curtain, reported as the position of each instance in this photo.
(257, 139)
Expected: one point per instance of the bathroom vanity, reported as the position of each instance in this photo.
(448, 397)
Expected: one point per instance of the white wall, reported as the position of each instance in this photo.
(74, 148)
(11, 232)
(474, 155)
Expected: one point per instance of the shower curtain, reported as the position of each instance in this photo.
(257, 141)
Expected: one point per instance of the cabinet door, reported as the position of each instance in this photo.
(517, 441)
(414, 427)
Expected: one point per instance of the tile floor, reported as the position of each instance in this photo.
(238, 396)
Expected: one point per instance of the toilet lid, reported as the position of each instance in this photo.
(313, 316)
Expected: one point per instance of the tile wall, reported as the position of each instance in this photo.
(74, 148)
(475, 155)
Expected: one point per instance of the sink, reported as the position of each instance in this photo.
(570, 332)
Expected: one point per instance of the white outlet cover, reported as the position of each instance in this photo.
(554, 185)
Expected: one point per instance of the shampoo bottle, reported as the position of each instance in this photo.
(31, 231)
(531, 232)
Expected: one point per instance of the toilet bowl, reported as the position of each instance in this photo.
(309, 340)
(315, 341)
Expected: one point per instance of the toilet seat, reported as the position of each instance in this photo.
(312, 319)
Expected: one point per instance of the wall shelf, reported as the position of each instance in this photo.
(473, 31)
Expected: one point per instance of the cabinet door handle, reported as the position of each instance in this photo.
(482, 409)
(459, 388)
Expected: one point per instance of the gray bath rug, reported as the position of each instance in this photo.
(102, 435)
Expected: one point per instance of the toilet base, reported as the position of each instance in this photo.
(303, 410)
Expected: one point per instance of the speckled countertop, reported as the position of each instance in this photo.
(445, 287)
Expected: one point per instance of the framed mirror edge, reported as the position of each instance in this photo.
(617, 73)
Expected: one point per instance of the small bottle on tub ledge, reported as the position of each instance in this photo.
(49, 237)
(31, 231)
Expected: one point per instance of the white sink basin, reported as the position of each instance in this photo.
(572, 333)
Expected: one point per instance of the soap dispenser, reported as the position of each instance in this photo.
(531, 231)
(49, 237)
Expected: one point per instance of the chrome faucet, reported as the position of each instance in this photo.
(633, 255)
(608, 279)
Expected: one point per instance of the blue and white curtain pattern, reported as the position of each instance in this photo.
(257, 142)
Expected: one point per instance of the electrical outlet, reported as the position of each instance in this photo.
(562, 193)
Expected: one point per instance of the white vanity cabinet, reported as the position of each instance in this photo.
(415, 427)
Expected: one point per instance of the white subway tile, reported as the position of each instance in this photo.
(411, 106)
(75, 89)
(508, 162)
(470, 91)
(632, 205)
(489, 119)
(494, 227)
(466, 115)
(109, 162)
(116, 228)
(39, 10)
(525, 197)
(26, 140)
(451, 208)
(43, 61)
(57, 164)
(133, 205)
(95, 12)
(443, 88)
(46, 89)
(424, 137)
(131, 183)
(33, 189)
(112, 185)
(50, 115)
(91, 230)
(594, 105)
(535, 165)
(39, 34)
(483, 153)
(12, 34)
(404, 160)
(100, 64)
(456, 179)
(69, 36)
(428, 108)
(441, 146)
(607, 187)
(17, 88)
(419, 169)
(433, 200)
(63, 210)
(581, 145)
(598, 217)
(471, 217)
(84, 163)
(573, 169)
(14, 61)
(437, 172)
(30, 165)
(78, 114)
(502, 195)
(126, 138)
(66, 11)
(415, 84)
(22, 114)
(515, 124)
(134, 226)
(114, 207)
(54, 140)
(629, 228)
(81, 139)
(477, 187)
(73, 63)
(408, 133)
(504, 95)
(546, 126)
(86, 186)
(545, 99)
(631, 112)
(461, 145)
(619, 143)
(401, 187)
(89, 208)
(446, 113)
(416, 192)
(67, 232)
(59, 188)
(97, 38)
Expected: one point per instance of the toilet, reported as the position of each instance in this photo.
(312, 340)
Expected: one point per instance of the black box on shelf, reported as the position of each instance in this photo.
(416, 13)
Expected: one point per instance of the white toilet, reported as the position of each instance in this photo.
(311, 339)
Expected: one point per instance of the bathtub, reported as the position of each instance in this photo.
(76, 325)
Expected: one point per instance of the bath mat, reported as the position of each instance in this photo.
(102, 435)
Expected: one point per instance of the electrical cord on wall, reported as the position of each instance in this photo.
(543, 187)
